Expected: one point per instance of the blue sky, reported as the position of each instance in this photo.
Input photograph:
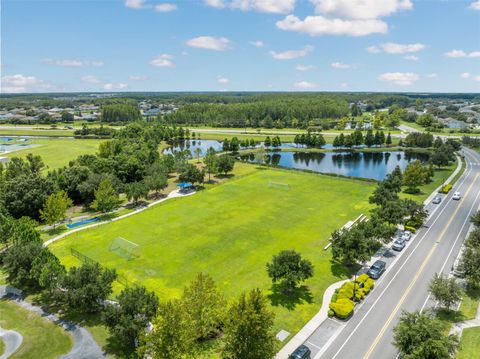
(240, 45)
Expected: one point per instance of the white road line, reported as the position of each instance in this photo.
(398, 271)
(313, 345)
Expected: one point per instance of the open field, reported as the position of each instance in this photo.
(231, 231)
(58, 152)
(41, 338)
(469, 344)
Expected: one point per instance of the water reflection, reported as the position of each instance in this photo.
(374, 165)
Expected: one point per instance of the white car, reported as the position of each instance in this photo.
(456, 196)
(406, 235)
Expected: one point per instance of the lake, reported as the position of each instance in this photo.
(373, 165)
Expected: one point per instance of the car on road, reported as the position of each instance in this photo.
(406, 235)
(437, 200)
(456, 196)
(302, 352)
(377, 269)
(399, 244)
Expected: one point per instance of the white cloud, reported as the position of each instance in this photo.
(477, 78)
(399, 78)
(475, 5)
(291, 54)
(134, 4)
(21, 83)
(222, 80)
(394, 48)
(304, 67)
(210, 43)
(111, 86)
(460, 53)
(267, 6)
(433, 75)
(257, 43)
(360, 9)
(72, 62)
(137, 78)
(90, 79)
(411, 58)
(218, 4)
(465, 75)
(340, 66)
(344, 85)
(305, 85)
(319, 25)
(164, 60)
(165, 7)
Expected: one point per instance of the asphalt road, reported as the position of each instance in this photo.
(404, 287)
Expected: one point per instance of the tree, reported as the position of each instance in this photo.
(156, 182)
(289, 268)
(204, 305)
(55, 207)
(190, 173)
(369, 139)
(106, 197)
(267, 142)
(421, 336)
(248, 328)
(128, 319)
(445, 290)
(475, 219)
(172, 336)
(414, 176)
(439, 158)
(225, 163)
(135, 191)
(67, 116)
(198, 152)
(210, 161)
(86, 287)
(388, 141)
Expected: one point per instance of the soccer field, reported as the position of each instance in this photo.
(231, 231)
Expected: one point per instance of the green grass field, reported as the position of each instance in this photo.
(469, 344)
(41, 338)
(58, 152)
(231, 231)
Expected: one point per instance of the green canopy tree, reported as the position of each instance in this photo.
(55, 208)
(106, 197)
(289, 268)
(225, 163)
(445, 290)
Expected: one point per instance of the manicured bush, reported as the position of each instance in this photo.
(411, 229)
(362, 278)
(334, 297)
(331, 313)
(343, 308)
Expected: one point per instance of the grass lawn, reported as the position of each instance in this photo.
(231, 231)
(41, 338)
(57, 153)
(469, 304)
(469, 344)
(2, 347)
(34, 132)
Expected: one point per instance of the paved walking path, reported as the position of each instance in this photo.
(84, 346)
(12, 340)
(458, 328)
(173, 194)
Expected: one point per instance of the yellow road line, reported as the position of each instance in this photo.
(417, 275)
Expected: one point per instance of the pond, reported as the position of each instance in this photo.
(372, 165)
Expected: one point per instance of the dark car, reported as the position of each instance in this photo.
(377, 269)
(302, 352)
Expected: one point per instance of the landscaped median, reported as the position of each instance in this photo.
(343, 300)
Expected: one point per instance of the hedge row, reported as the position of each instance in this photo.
(343, 301)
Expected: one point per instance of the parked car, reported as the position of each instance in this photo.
(437, 200)
(456, 196)
(302, 352)
(399, 244)
(406, 235)
(377, 269)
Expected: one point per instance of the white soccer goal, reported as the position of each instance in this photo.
(124, 248)
(278, 185)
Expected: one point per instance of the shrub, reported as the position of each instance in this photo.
(446, 188)
(343, 308)
(362, 278)
(331, 313)
(334, 298)
(411, 229)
